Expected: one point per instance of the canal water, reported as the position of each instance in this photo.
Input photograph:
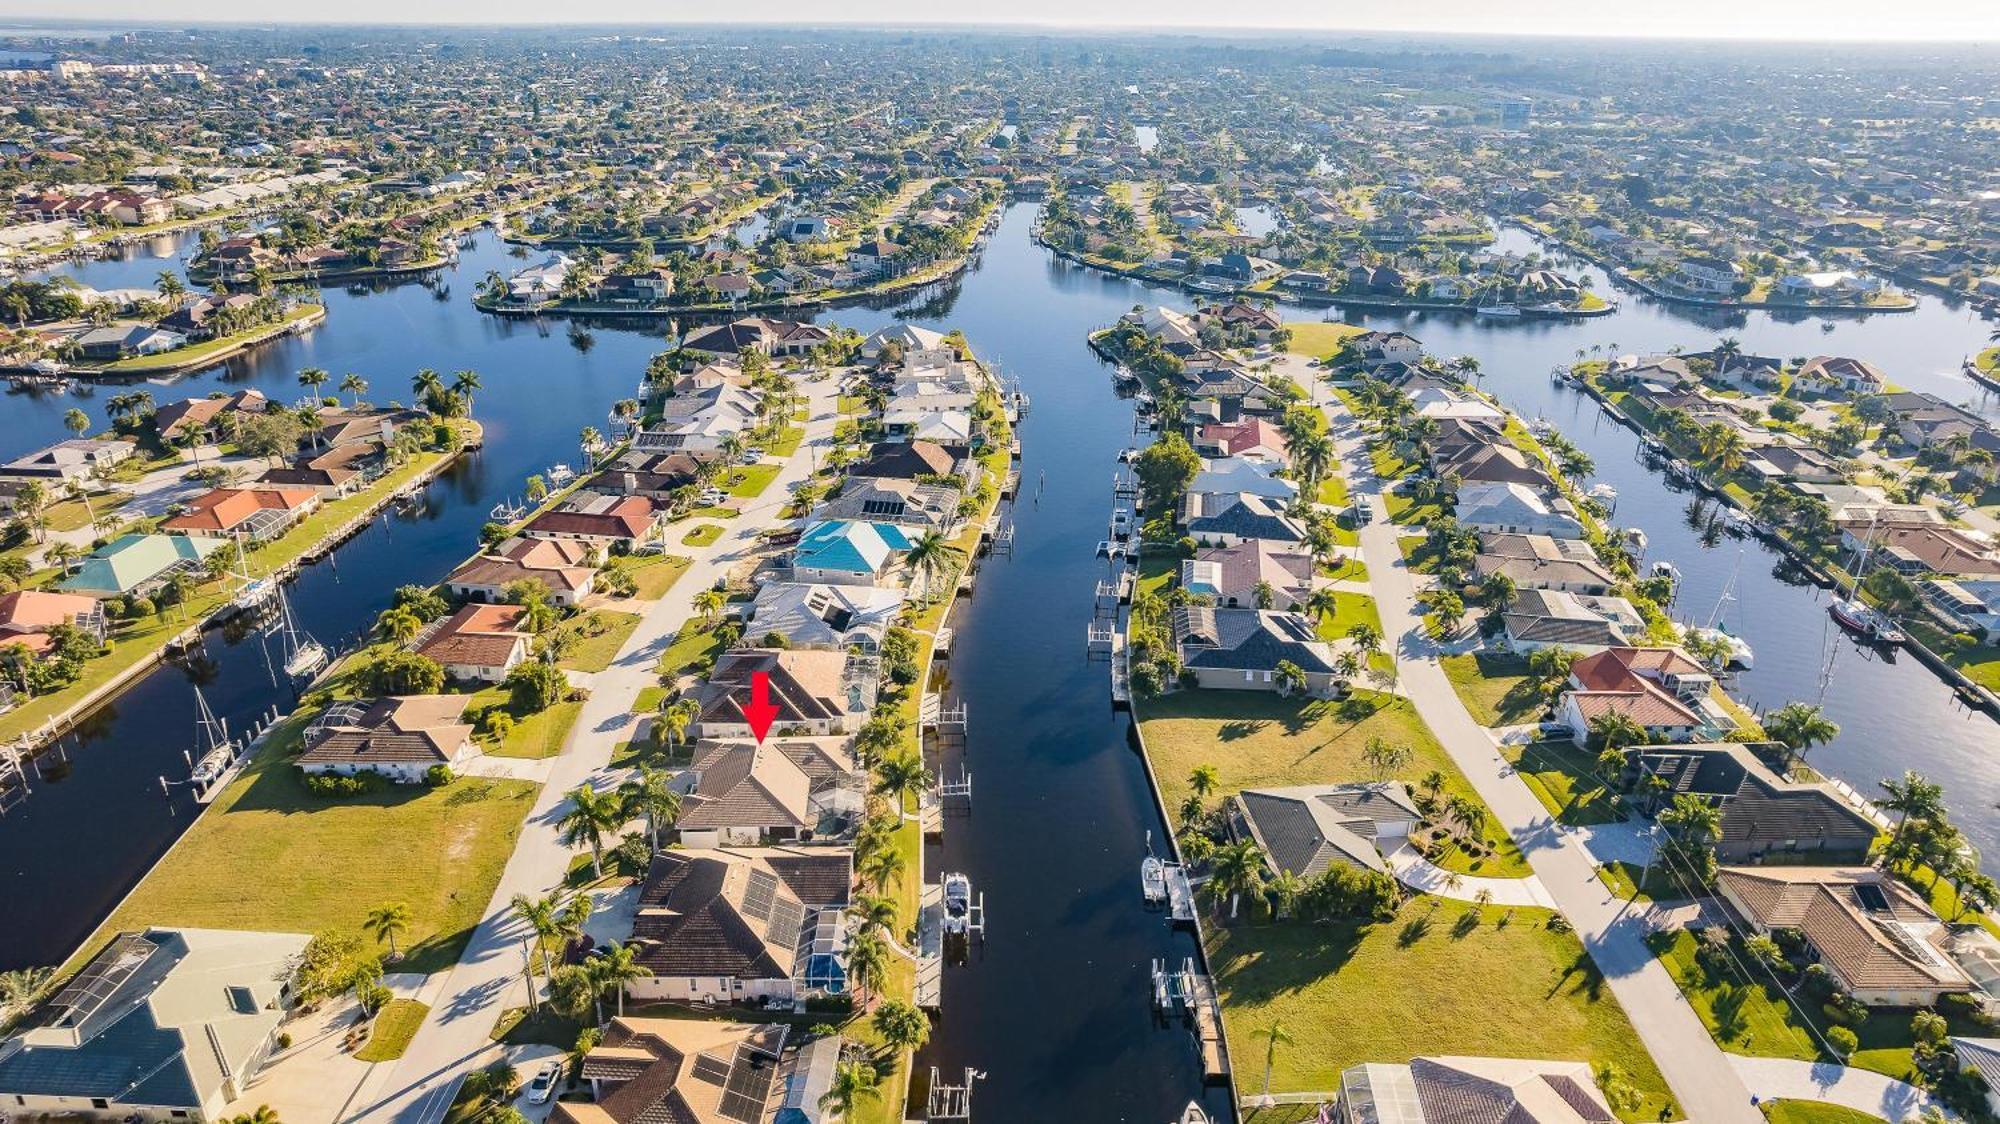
(1053, 1006)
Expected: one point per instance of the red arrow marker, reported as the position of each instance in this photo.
(761, 711)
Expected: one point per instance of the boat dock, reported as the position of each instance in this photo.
(1180, 895)
(1207, 1010)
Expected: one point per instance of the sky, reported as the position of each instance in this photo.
(1957, 21)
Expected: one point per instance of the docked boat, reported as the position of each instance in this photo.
(1153, 879)
(1864, 620)
(1739, 654)
(1604, 492)
(1635, 538)
(1193, 1114)
(304, 656)
(1667, 570)
(560, 474)
(957, 903)
(1499, 311)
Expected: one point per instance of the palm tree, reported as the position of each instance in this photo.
(387, 922)
(1312, 457)
(265, 1114)
(611, 971)
(710, 603)
(1800, 727)
(355, 385)
(399, 624)
(170, 286)
(1237, 869)
(868, 961)
(590, 441)
(884, 868)
(312, 378)
(592, 816)
(853, 1082)
(901, 1025)
(650, 794)
(428, 386)
(76, 421)
(1203, 780)
(19, 987)
(543, 917)
(874, 911)
(928, 556)
(463, 383)
(1912, 797)
(675, 718)
(901, 775)
(1273, 1035)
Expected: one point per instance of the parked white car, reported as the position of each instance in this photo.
(543, 1086)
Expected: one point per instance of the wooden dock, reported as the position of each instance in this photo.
(1208, 1027)
(1180, 895)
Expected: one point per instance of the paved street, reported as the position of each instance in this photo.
(488, 979)
(1613, 930)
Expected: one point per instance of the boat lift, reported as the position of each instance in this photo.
(1173, 988)
(952, 1102)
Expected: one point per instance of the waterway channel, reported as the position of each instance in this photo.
(1053, 1006)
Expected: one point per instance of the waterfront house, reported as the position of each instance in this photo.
(1247, 439)
(920, 461)
(1240, 649)
(1514, 508)
(872, 256)
(1496, 463)
(1218, 519)
(742, 926)
(248, 515)
(200, 419)
(1232, 575)
(540, 282)
(919, 507)
(604, 523)
(1878, 938)
(161, 1024)
(742, 793)
(688, 1071)
(1448, 1090)
(1779, 463)
(1662, 689)
(1825, 374)
(1374, 349)
(1918, 548)
(562, 566)
(478, 642)
(139, 564)
(28, 615)
(1304, 829)
(1543, 562)
(1708, 276)
(815, 691)
(123, 341)
(1242, 476)
(78, 458)
(848, 552)
(775, 338)
(399, 738)
(1972, 605)
(812, 615)
(905, 336)
(1765, 815)
(1545, 618)
(339, 471)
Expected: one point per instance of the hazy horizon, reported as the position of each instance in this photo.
(1957, 21)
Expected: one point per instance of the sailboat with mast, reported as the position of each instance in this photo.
(1858, 616)
(212, 737)
(1737, 652)
(304, 656)
(255, 593)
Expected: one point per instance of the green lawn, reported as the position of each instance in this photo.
(1564, 778)
(182, 356)
(702, 535)
(748, 482)
(395, 1025)
(655, 573)
(1354, 609)
(600, 633)
(269, 855)
(1318, 338)
(1495, 687)
(1623, 879)
(1333, 490)
(534, 735)
(1403, 509)
(694, 642)
(1344, 570)
(1441, 978)
(1257, 740)
(1156, 574)
(1814, 1112)
(787, 441)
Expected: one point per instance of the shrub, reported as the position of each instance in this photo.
(1845, 1010)
(497, 724)
(336, 787)
(1146, 680)
(403, 673)
(633, 854)
(437, 776)
(535, 686)
(284, 1040)
(1843, 1040)
(830, 1004)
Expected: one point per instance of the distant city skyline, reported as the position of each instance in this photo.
(1807, 20)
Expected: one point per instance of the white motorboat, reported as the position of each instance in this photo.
(1153, 879)
(1499, 311)
(560, 474)
(1739, 654)
(957, 903)
(1193, 1114)
(1666, 569)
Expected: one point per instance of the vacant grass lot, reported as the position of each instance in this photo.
(534, 735)
(1565, 779)
(702, 535)
(1257, 740)
(1318, 338)
(1441, 978)
(693, 643)
(1814, 1112)
(655, 573)
(745, 483)
(1353, 609)
(1496, 688)
(269, 855)
(599, 634)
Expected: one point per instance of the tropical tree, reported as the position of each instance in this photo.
(387, 922)
(1800, 727)
(901, 1025)
(883, 868)
(76, 421)
(353, 384)
(1274, 1035)
(1237, 869)
(868, 961)
(428, 387)
(1383, 758)
(591, 818)
(398, 623)
(312, 378)
(265, 1114)
(1912, 798)
(20, 987)
(543, 917)
(1693, 825)
(611, 971)
(1617, 730)
(463, 383)
(650, 795)
(930, 555)
(901, 775)
(710, 603)
(1203, 781)
(853, 1083)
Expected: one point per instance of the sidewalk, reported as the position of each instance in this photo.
(1613, 931)
(487, 980)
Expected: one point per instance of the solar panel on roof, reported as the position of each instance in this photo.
(759, 896)
(1871, 897)
(749, 1086)
(787, 918)
(711, 1069)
